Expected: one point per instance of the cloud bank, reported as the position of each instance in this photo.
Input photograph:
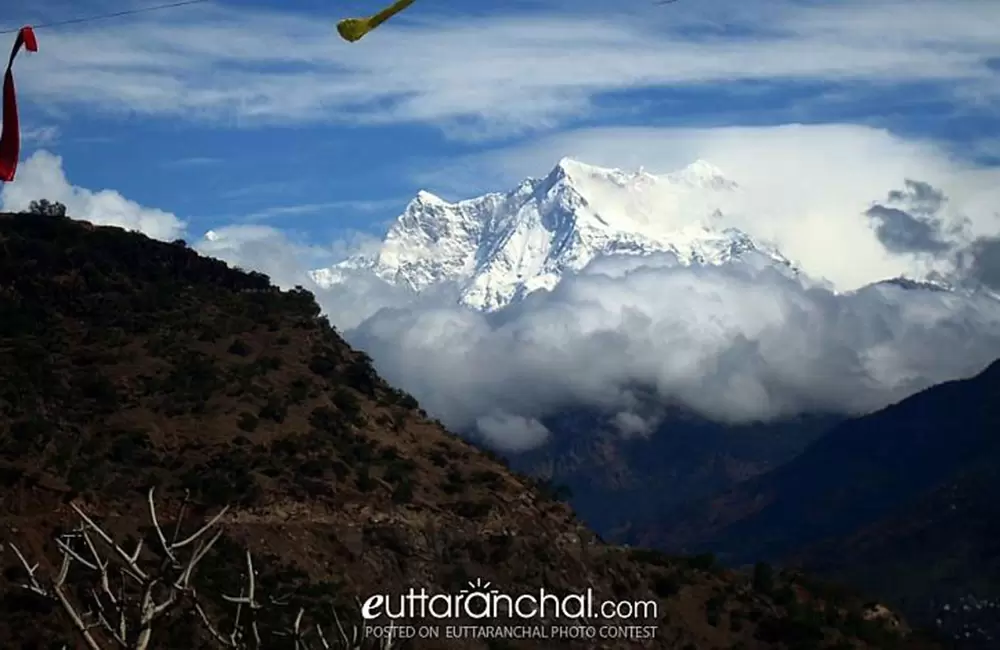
(41, 176)
(735, 343)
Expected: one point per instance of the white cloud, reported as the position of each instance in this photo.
(299, 209)
(41, 176)
(512, 432)
(355, 243)
(514, 70)
(288, 262)
(42, 136)
(264, 249)
(805, 187)
(631, 424)
(729, 343)
(194, 161)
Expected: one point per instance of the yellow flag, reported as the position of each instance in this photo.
(352, 29)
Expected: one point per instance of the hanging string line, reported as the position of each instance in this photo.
(116, 14)
(141, 10)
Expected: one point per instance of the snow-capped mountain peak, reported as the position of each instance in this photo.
(501, 246)
(425, 197)
(704, 174)
(570, 166)
(699, 174)
(576, 171)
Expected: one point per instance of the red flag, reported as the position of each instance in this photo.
(10, 140)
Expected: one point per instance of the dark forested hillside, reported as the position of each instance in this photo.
(902, 503)
(618, 481)
(127, 363)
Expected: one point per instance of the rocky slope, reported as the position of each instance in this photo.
(901, 502)
(127, 363)
(937, 558)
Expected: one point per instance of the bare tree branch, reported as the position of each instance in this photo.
(128, 616)
(55, 592)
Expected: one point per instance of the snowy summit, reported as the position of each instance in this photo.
(500, 247)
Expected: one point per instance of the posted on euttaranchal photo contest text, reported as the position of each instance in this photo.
(483, 611)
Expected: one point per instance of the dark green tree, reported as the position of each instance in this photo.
(47, 208)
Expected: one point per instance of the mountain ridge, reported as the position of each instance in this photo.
(494, 249)
(901, 502)
(846, 440)
(499, 247)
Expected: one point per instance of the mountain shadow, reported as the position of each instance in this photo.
(614, 479)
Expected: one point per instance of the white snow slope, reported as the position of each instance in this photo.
(500, 247)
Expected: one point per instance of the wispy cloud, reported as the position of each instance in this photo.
(289, 210)
(195, 161)
(359, 205)
(263, 189)
(511, 71)
(988, 148)
(42, 136)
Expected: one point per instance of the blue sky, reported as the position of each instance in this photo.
(256, 112)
